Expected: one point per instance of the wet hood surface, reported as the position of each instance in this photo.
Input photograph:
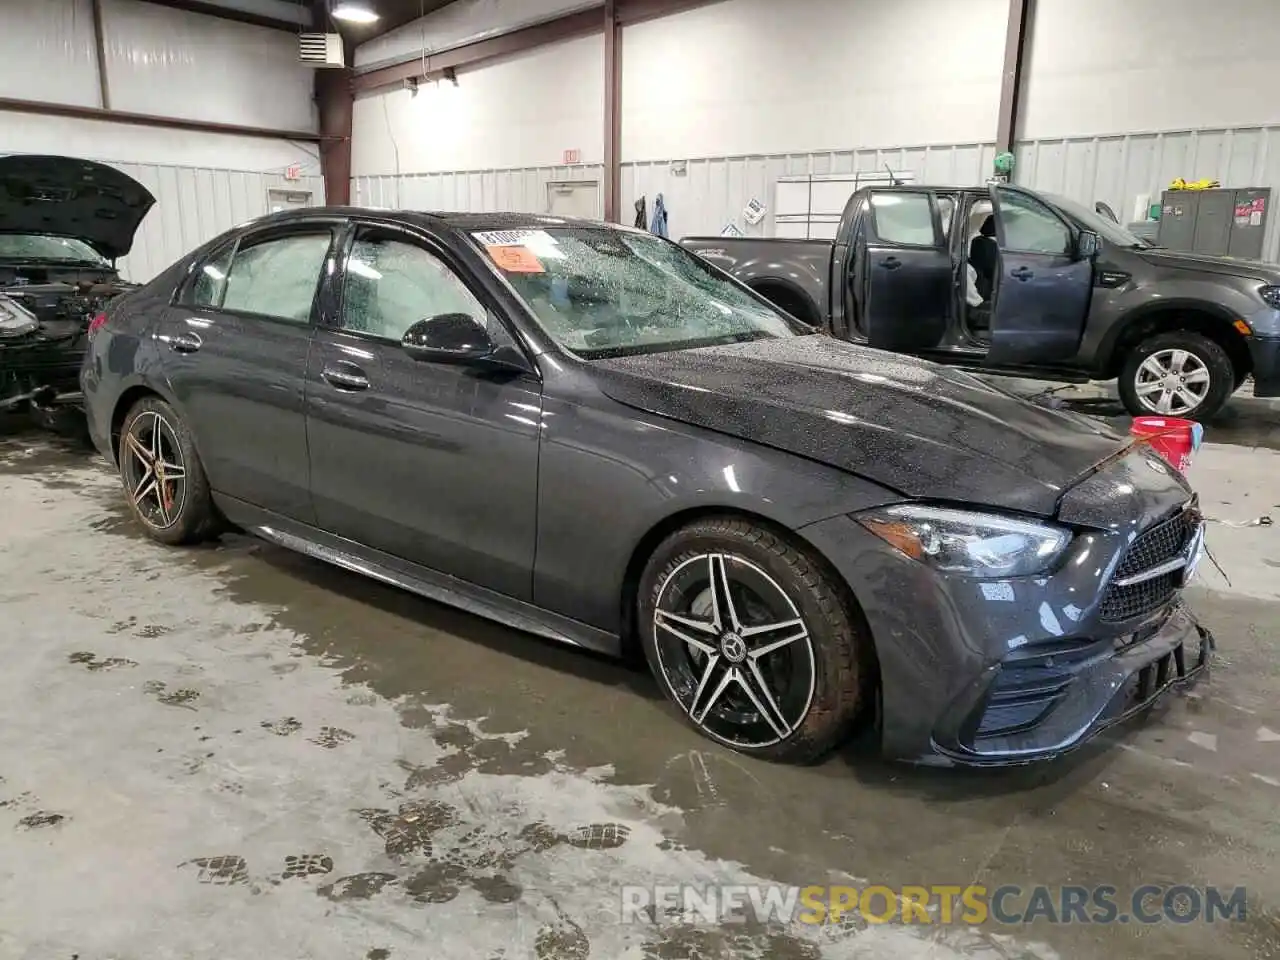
(919, 428)
(1222, 266)
(66, 197)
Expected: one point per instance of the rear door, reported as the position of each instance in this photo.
(235, 357)
(902, 268)
(1042, 287)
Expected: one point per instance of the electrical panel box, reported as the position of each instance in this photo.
(1221, 223)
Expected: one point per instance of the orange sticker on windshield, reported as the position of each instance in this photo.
(515, 259)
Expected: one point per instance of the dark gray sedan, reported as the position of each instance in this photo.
(590, 434)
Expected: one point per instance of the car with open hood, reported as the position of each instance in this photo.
(586, 432)
(64, 223)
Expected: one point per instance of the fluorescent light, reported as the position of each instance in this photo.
(354, 13)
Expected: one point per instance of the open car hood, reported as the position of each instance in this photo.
(66, 197)
(919, 428)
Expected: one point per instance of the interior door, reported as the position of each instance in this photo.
(904, 272)
(1042, 289)
(235, 356)
(433, 463)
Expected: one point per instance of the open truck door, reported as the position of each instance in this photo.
(1044, 281)
(901, 273)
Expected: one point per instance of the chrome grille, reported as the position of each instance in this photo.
(1164, 543)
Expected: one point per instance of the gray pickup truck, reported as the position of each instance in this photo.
(1012, 281)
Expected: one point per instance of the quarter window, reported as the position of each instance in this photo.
(277, 278)
(905, 218)
(210, 282)
(1030, 227)
(392, 284)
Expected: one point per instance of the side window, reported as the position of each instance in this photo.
(1031, 227)
(391, 284)
(277, 277)
(905, 218)
(210, 281)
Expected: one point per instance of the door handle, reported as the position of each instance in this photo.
(891, 263)
(1022, 273)
(182, 342)
(346, 380)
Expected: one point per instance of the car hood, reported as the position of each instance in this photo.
(66, 197)
(919, 428)
(1226, 266)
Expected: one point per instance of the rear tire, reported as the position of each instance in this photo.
(163, 477)
(1187, 374)
(752, 640)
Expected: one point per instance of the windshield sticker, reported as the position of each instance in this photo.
(514, 259)
(506, 238)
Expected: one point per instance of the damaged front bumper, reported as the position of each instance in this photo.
(1045, 702)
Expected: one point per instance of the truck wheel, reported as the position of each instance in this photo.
(1177, 374)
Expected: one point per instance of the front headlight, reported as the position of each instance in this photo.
(1271, 294)
(971, 544)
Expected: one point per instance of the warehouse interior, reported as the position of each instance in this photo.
(238, 750)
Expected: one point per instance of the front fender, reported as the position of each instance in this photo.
(1128, 308)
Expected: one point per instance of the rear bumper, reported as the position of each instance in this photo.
(1265, 352)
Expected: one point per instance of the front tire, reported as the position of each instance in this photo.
(1177, 374)
(163, 477)
(752, 640)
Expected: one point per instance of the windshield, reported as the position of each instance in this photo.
(31, 246)
(604, 292)
(1109, 230)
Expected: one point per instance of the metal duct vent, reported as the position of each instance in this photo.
(321, 49)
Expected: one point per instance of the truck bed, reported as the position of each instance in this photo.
(792, 274)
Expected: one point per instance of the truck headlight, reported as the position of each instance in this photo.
(968, 543)
(1270, 294)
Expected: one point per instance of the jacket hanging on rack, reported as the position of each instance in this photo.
(658, 223)
(642, 217)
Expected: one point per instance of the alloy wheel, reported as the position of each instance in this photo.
(1172, 382)
(734, 650)
(155, 475)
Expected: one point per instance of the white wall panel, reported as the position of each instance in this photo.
(1108, 67)
(47, 51)
(113, 142)
(712, 192)
(761, 77)
(180, 64)
(1118, 170)
(463, 21)
(522, 190)
(521, 112)
(194, 205)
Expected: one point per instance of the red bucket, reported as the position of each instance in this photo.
(1174, 439)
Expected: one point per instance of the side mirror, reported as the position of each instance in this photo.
(448, 338)
(1088, 245)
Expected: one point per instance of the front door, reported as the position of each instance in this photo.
(236, 346)
(1042, 288)
(433, 463)
(902, 267)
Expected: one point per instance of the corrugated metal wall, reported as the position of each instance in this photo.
(522, 190)
(1119, 169)
(703, 195)
(711, 193)
(194, 205)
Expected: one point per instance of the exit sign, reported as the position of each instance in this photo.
(293, 171)
(572, 156)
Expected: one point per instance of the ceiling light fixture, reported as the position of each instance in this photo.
(354, 13)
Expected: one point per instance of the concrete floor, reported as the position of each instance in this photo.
(236, 752)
